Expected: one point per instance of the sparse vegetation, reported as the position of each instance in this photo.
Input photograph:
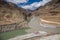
(7, 35)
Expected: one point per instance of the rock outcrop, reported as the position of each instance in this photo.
(11, 17)
(50, 10)
(49, 16)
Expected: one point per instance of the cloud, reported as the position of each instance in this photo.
(17, 1)
(32, 6)
(35, 5)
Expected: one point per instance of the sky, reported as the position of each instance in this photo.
(29, 4)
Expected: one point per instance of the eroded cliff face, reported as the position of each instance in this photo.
(11, 17)
(49, 17)
(11, 14)
(51, 8)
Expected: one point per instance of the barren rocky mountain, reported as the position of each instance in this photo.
(50, 12)
(50, 8)
(11, 17)
(10, 13)
(44, 19)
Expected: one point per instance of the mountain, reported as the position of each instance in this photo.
(50, 13)
(54, 4)
(11, 17)
(11, 14)
(50, 9)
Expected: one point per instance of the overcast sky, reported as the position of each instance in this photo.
(29, 4)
